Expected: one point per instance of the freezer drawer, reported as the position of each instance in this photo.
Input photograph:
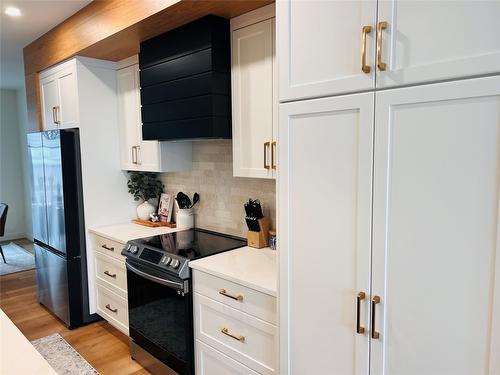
(52, 282)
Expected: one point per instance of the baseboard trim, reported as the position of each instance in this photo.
(12, 236)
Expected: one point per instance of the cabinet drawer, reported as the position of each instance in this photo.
(255, 303)
(111, 272)
(113, 308)
(108, 247)
(212, 362)
(243, 337)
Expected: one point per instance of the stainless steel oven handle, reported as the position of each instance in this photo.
(159, 280)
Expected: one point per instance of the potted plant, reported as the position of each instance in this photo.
(144, 186)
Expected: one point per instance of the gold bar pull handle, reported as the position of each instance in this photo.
(112, 275)
(266, 147)
(364, 66)
(108, 306)
(54, 115)
(381, 26)
(107, 247)
(273, 155)
(236, 337)
(359, 329)
(375, 301)
(224, 293)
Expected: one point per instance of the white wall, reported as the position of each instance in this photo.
(12, 187)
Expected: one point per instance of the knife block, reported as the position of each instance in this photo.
(259, 239)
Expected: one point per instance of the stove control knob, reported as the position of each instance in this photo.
(167, 261)
(175, 263)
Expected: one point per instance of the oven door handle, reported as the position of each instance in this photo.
(159, 280)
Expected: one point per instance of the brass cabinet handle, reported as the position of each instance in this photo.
(110, 309)
(138, 155)
(58, 112)
(364, 66)
(236, 337)
(266, 146)
(224, 293)
(273, 155)
(361, 296)
(110, 275)
(381, 26)
(108, 248)
(375, 301)
(54, 116)
(134, 154)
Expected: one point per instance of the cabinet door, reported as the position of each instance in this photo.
(68, 97)
(136, 154)
(324, 225)
(436, 248)
(436, 40)
(252, 93)
(50, 102)
(320, 47)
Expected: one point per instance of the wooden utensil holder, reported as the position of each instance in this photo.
(260, 239)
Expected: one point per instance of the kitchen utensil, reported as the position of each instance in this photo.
(183, 200)
(196, 199)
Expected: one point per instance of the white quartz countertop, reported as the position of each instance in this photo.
(125, 232)
(253, 268)
(17, 355)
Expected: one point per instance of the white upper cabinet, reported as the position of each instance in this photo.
(320, 47)
(436, 40)
(254, 103)
(436, 250)
(325, 226)
(59, 96)
(136, 154)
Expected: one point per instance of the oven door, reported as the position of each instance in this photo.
(161, 316)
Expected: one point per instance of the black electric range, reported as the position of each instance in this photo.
(160, 296)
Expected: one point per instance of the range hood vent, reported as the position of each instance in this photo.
(185, 82)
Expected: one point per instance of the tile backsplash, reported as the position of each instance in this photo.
(221, 195)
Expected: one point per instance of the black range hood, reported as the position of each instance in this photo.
(185, 82)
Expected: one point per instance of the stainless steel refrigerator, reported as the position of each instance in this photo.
(58, 224)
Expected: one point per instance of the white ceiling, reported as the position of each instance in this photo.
(38, 17)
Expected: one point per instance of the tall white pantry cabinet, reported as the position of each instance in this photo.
(389, 200)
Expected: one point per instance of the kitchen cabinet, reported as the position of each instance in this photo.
(111, 282)
(137, 154)
(59, 96)
(320, 47)
(436, 230)
(254, 94)
(437, 40)
(406, 283)
(326, 156)
(337, 47)
(235, 322)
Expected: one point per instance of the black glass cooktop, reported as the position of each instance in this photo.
(193, 243)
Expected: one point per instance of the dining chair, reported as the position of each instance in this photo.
(3, 218)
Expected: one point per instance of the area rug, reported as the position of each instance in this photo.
(62, 357)
(18, 259)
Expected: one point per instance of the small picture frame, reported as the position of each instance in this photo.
(165, 207)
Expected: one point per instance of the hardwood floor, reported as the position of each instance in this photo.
(104, 347)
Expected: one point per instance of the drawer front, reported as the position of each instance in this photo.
(242, 337)
(108, 247)
(212, 362)
(113, 308)
(111, 272)
(250, 301)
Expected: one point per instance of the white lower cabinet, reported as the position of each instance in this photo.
(212, 362)
(111, 282)
(406, 282)
(224, 329)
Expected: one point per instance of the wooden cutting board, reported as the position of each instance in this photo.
(151, 224)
